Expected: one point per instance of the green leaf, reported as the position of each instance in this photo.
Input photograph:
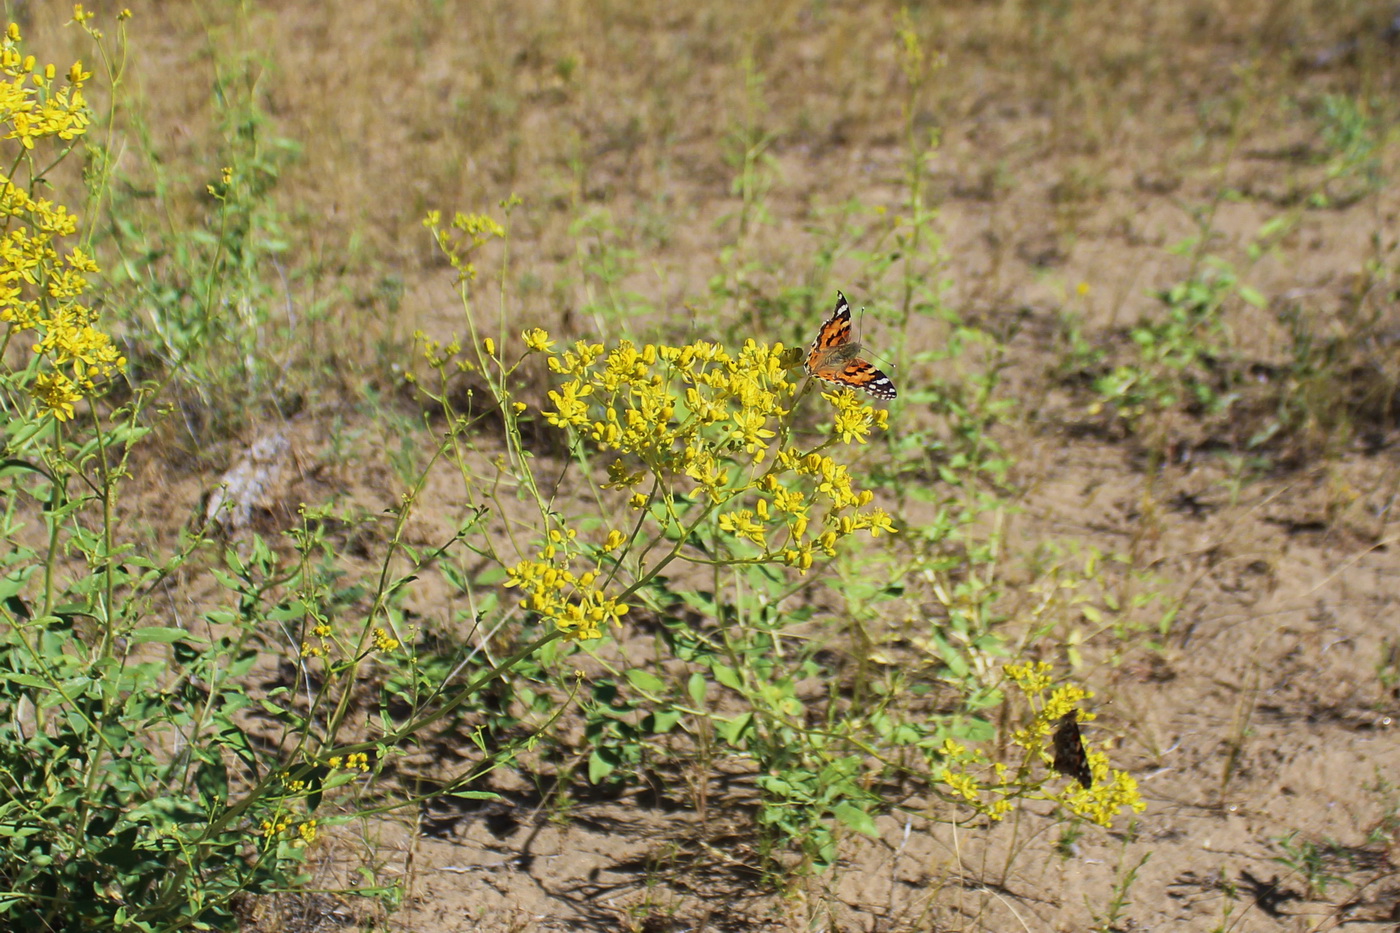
(778, 786)
(159, 635)
(211, 778)
(732, 730)
(12, 584)
(646, 681)
(856, 818)
(728, 676)
(599, 766)
(1253, 297)
(227, 581)
(1168, 618)
(697, 687)
(702, 601)
(663, 721)
(10, 467)
(474, 795)
(333, 780)
(957, 664)
(24, 680)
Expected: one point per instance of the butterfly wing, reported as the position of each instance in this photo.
(835, 334)
(833, 356)
(862, 374)
(1070, 758)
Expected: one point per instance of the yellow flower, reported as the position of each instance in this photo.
(854, 419)
(41, 283)
(537, 339)
(697, 422)
(573, 603)
(478, 227)
(466, 234)
(741, 524)
(271, 828)
(56, 395)
(799, 557)
(961, 784)
(570, 405)
(1032, 677)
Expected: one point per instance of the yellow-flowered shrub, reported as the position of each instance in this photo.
(707, 433)
(989, 787)
(695, 454)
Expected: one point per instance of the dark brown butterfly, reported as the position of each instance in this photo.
(1070, 757)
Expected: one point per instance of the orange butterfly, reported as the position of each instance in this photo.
(835, 356)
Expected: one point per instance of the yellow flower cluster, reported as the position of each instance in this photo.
(574, 603)
(962, 761)
(323, 643)
(702, 422)
(34, 108)
(283, 818)
(41, 285)
(306, 830)
(855, 421)
(321, 647)
(1112, 791)
(383, 641)
(358, 761)
(271, 828)
(462, 237)
(1033, 678)
(991, 794)
(84, 19)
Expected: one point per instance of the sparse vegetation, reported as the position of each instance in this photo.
(420, 516)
